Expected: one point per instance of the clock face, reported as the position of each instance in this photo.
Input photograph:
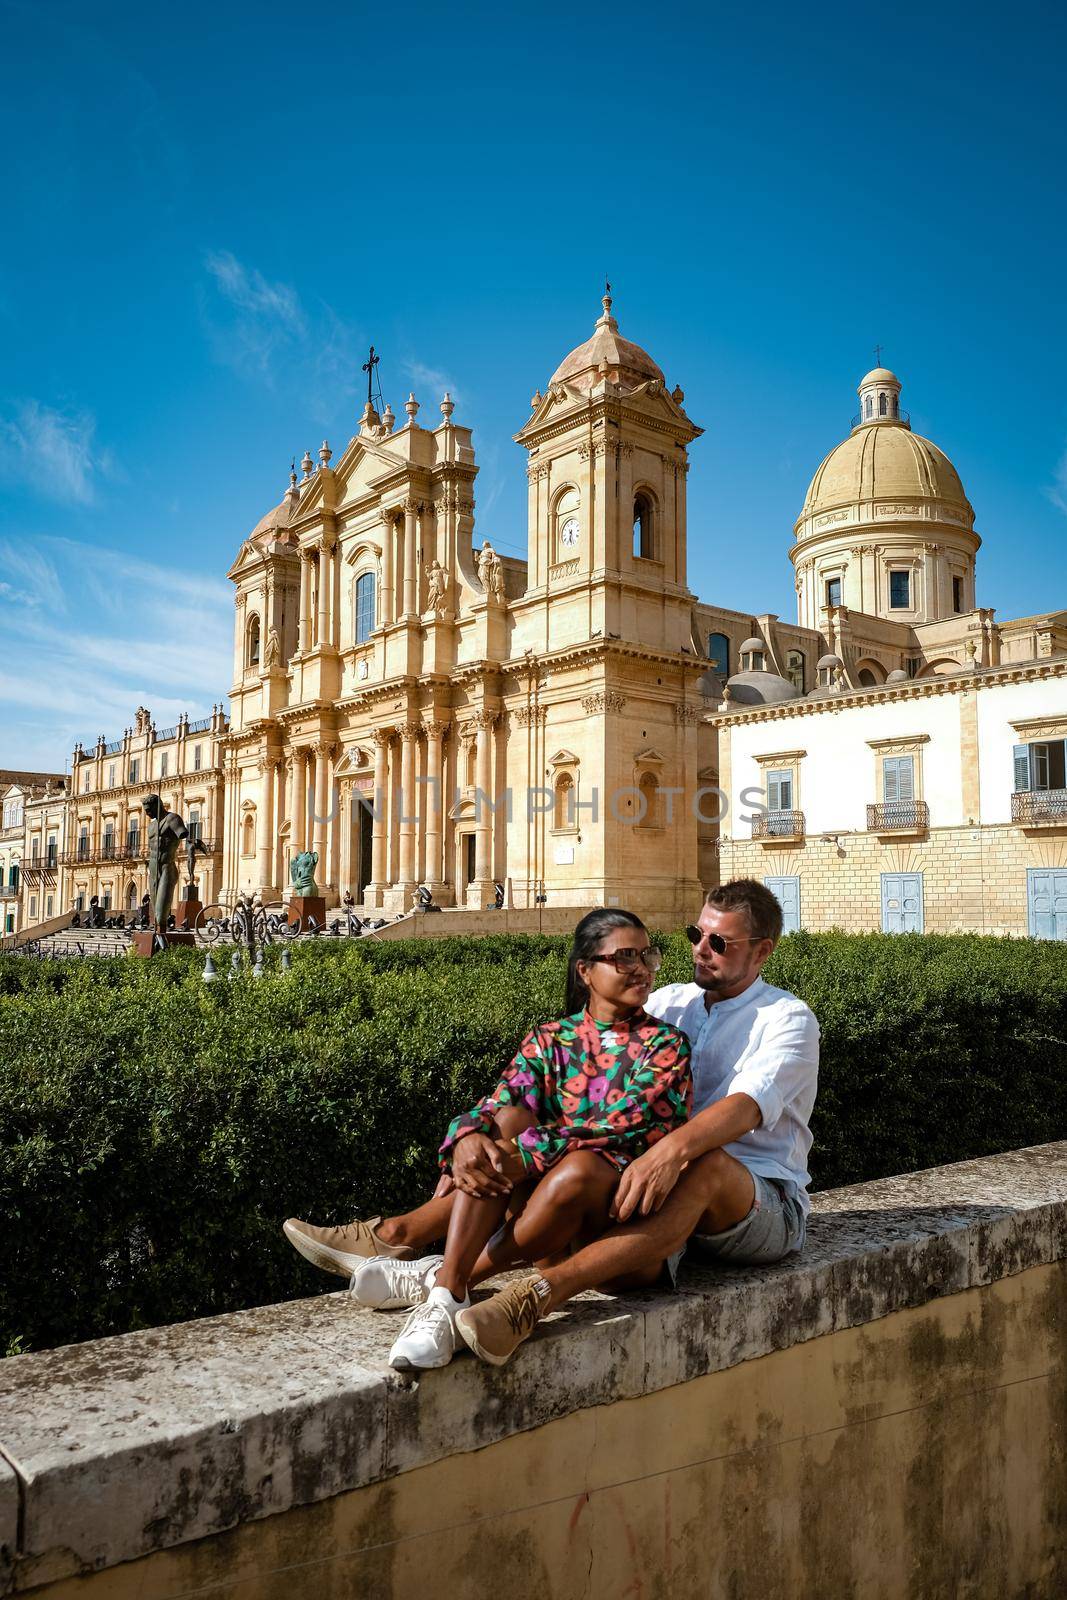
(568, 534)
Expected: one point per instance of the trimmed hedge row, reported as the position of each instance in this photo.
(154, 1130)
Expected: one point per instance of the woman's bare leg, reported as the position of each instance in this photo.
(429, 1222)
(572, 1202)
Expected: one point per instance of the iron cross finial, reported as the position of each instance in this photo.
(368, 367)
(878, 355)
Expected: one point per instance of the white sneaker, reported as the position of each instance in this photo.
(387, 1285)
(428, 1337)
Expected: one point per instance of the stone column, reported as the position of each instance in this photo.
(483, 819)
(411, 571)
(333, 826)
(268, 766)
(380, 834)
(434, 804)
(298, 831)
(322, 629)
(322, 805)
(388, 539)
(409, 733)
(302, 632)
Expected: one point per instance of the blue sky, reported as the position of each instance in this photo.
(212, 211)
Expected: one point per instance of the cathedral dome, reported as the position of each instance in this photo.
(879, 462)
(608, 355)
(886, 528)
(275, 525)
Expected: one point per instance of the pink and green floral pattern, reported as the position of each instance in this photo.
(615, 1088)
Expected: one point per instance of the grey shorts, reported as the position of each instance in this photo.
(774, 1228)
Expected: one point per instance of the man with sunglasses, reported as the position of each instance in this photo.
(731, 1183)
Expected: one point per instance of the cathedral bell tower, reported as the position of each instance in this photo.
(608, 457)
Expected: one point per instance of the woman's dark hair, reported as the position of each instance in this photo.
(594, 926)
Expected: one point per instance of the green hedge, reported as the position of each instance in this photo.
(155, 1130)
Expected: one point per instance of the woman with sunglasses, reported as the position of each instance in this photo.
(534, 1166)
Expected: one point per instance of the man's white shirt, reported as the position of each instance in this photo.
(763, 1043)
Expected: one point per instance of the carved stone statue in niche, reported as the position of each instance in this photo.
(436, 585)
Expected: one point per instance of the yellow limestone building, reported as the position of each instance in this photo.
(419, 710)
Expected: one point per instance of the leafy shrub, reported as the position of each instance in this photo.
(155, 1130)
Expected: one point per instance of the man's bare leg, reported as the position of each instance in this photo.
(712, 1194)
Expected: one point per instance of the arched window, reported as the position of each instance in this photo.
(248, 834)
(719, 653)
(870, 406)
(253, 641)
(364, 606)
(894, 406)
(644, 530)
(867, 678)
(794, 669)
(471, 763)
(563, 813)
(131, 897)
(649, 787)
(883, 409)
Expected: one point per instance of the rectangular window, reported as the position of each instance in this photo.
(780, 791)
(164, 763)
(35, 849)
(85, 784)
(79, 903)
(898, 778)
(33, 905)
(50, 859)
(83, 845)
(194, 823)
(833, 591)
(49, 903)
(900, 591)
(135, 770)
(111, 776)
(1040, 766)
(196, 757)
(957, 594)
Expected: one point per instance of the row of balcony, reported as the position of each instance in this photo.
(92, 852)
(1033, 809)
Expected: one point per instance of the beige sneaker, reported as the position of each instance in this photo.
(340, 1250)
(495, 1328)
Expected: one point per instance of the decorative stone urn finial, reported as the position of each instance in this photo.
(292, 473)
(325, 452)
(388, 419)
(307, 465)
(411, 406)
(448, 405)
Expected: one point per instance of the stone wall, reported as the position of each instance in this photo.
(974, 879)
(881, 1417)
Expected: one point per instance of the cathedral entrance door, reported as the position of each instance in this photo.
(468, 859)
(364, 834)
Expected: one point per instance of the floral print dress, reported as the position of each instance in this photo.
(615, 1088)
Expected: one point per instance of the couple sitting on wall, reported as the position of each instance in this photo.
(637, 1126)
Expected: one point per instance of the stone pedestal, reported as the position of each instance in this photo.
(188, 909)
(302, 907)
(143, 942)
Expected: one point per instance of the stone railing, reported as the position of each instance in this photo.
(907, 1366)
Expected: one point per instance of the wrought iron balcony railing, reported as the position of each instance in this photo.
(1037, 807)
(38, 869)
(778, 825)
(898, 816)
(9, 891)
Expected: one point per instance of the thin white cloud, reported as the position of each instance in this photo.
(254, 325)
(92, 633)
(434, 382)
(53, 452)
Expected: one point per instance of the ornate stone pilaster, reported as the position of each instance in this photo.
(380, 833)
(433, 805)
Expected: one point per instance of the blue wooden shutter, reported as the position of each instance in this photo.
(1023, 774)
(780, 791)
(898, 778)
(787, 892)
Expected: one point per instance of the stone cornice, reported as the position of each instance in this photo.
(915, 689)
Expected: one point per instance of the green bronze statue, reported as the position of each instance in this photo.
(302, 872)
(166, 833)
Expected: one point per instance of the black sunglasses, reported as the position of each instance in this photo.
(629, 960)
(716, 940)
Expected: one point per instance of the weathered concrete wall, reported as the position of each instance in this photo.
(886, 1417)
(921, 1458)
